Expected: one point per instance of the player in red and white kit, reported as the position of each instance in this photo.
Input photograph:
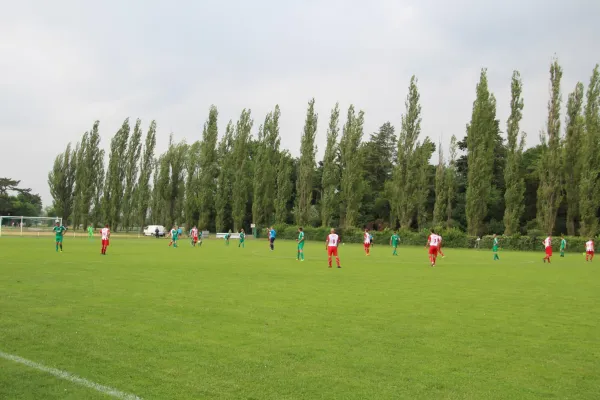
(367, 242)
(105, 235)
(440, 247)
(194, 235)
(433, 241)
(589, 250)
(548, 246)
(332, 242)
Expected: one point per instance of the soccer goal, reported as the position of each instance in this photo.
(27, 226)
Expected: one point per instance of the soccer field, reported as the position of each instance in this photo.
(222, 322)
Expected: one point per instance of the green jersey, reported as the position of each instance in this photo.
(395, 239)
(495, 244)
(59, 231)
(90, 231)
(563, 244)
(174, 234)
(242, 236)
(301, 237)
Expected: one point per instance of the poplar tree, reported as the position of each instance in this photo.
(115, 175)
(404, 186)
(192, 184)
(572, 155)
(284, 187)
(80, 181)
(209, 170)
(306, 167)
(422, 156)
(589, 184)
(146, 166)
(441, 191)
(272, 140)
(351, 160)
(224, 181)
(61, 181)
(241, 181)
(481, 138)
(451, 182)
(331, 169)
(156, 202)
(132, 159)
(513, 174)
(94, 177)
(549, 168)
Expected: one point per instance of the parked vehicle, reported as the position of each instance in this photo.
(150, 230)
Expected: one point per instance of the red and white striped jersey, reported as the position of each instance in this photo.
(333, 240)
(589, 245)
(105, 232)
(434, 240)
(548, 242)
(194, 232)
(367, 237)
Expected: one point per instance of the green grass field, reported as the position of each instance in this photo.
(221, 322)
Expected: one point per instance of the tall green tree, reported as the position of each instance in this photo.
(174, 191)
(284, 188)
(441, 191)
(549, 194)
(209, 170)
(241, 182)
(258, 211)
(156, 204)
(306, 166)
(450, 184)
(115, 177)
(572, 156)
(513, 174)
(146, 165)
(422, 156)
(80, 181)
(94, 178)
(589, 185)
(351, 160)
(223, 219)
(61, 181)
(331, 169)
(193, 186)
(272, 140)
(405, 187)
(481, 139)
(132, 160)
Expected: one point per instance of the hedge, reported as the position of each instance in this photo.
(453, 238)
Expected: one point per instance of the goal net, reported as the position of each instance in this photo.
(27, 226)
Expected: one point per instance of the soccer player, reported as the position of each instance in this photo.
(105, 235)
(174, 236)
(59, 231)
(194, 235)
(433, 242)
(394, 240)
(495, 247)
(199, 238)
(300, 240)
(242, 239)
(367, 242)
(227, 236)
(331, 243)
(589, 250)
(272, 235)
(548, 245)
(563, 245)
(371, 239)
(440, 246)
(90, 231)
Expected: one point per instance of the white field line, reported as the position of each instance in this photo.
(70, 377)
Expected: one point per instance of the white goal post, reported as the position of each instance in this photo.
(30, 226)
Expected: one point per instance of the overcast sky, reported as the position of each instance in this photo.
(64, 64)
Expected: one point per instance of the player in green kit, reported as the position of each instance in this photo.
(300, 240)
(394, 240)
(563, 245)
(227, 236)
(174, 236)
(90, 232)
(199, 238)
(242, 239)
(59, 231)
(495, 248)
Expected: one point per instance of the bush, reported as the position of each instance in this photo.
(453, 238)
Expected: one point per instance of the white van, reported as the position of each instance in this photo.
(150, 230)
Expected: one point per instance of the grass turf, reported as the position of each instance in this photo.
(221, 322)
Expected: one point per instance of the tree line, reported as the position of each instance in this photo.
(487, 183)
